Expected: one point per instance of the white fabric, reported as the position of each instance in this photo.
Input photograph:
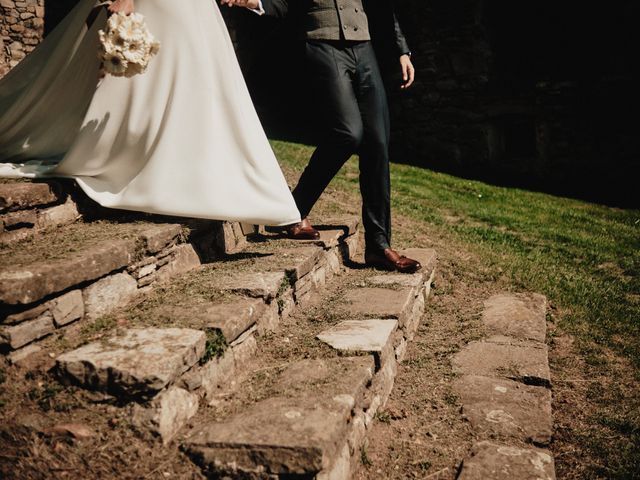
(181, 139)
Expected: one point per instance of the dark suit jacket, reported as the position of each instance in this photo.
(384, 28)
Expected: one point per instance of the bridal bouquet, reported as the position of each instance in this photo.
(126, 46)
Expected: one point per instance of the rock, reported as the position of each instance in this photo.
(265, 284)
(28, 284)
(243, 353)
(183, 259)
(108, 293)
(67, 308)
(159, 237)
(520, 316)
(427, 258)
(167, 413)
(501, 462)
(371, 336)
(17, 336)
(140, 362)
(504, 409)
(403, 280)
(526, 363)
(20, 356)
(380, 303)
(29, 314)
(298, 262)
(74, 430)
(217, 374)
(58, 215)
(299, 433)
(19, 196)
(232, 319)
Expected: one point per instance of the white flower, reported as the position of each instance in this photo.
(135, 52)
(115, 64)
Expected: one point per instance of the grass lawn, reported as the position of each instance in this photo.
(584, 257)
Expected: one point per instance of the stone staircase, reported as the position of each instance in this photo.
(58, 266)
(177, 322)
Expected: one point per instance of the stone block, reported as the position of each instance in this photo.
(139, 362)
(25, 315)
(67, 308)
(18, 357)
(167, 413)
(368, 336)
(19, 196)
(504, 409)
(526, 363)
(28, 284)
(502, 462)
(298, 262)
(379, 303)
(217, 374)
(232, 319)
(19, 219)
(19, 335)
(521, 316)
(183, 259)
(108, 293)
(427, 258)
(59, 215)
(244, 352)
(260, 285)
(159, 237)
(397, 279)
(302, 432)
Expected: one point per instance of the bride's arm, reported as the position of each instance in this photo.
(124, 6)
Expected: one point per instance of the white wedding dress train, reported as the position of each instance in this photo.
(181, 139)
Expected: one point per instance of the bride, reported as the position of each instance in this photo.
(182, 139)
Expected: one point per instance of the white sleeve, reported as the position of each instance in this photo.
(259, 10)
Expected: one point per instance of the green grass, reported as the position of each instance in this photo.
(584, 257)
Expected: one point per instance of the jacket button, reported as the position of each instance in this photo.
(356, 10)
(355, 29)
(341, 7)
(345, 27)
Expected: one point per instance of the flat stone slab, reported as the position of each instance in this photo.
(518, 315)
(16, 196)
(233, 319)
(265, 285)
(504, 409)
(501, 462)
(426, 256)
(140, 362)
(396, 279)
(29, 284)
(524, 362)
(374, 302)
(298, 433)
(297, 262)
(360, 335)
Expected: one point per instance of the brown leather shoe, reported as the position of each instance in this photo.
(302, 230)
(391, 260)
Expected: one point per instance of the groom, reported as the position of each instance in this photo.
(347, 81)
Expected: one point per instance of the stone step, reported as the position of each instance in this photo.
(15, 196)
(27, 208)
(83, 271)
(312, 417)
(222, 309)
(504, 391)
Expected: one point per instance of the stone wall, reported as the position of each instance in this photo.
(21, 29)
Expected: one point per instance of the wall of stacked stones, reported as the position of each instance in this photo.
(21, 29)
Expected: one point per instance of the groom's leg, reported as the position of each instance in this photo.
(332, 69)
(375, 183)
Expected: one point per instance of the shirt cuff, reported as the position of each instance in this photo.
(259, 10)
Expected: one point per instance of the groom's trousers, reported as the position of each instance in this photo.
(348, 87)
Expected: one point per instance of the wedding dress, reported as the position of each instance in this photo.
(181, 139)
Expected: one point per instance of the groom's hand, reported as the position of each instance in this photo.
(252, 4)
(408, 72)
